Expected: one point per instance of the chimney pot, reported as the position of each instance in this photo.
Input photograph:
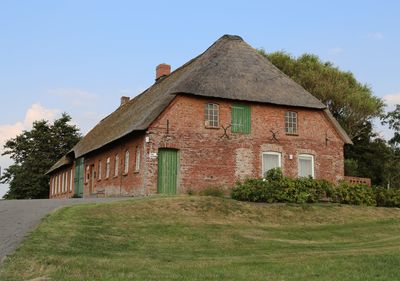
(124, 100)
(162, 70)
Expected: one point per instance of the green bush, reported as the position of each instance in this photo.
(276, 188)
(387, 197)
(358, 194)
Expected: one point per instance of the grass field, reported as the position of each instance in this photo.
(206, 238)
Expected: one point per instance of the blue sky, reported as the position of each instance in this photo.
(81, 56)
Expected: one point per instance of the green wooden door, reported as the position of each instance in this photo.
(79, 177)
(167, 171)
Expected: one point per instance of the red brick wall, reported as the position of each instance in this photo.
(56, 182)
(207, 159)
(126, 184)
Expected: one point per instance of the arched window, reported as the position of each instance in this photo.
(116, 170)
(126, 164)
(137, 162)
(108, 168)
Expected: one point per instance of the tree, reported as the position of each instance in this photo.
(350, 102)
(392, 119)
(34, 152)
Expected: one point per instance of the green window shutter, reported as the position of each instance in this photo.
(241, 119)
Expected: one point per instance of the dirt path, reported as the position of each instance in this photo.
(17, 217)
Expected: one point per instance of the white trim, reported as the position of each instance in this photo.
(306, 157)
(279, 154)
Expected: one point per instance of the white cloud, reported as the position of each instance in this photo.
(391, 100)
(8, 131)
(375, 36)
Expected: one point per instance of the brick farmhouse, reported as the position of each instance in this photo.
(225, 115)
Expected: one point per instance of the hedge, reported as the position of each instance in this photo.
(275, 188)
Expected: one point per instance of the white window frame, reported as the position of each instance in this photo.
(116, 165)
(63, 183)
(52, 186)
(108, 161)
(126, 162)
(137, 160)
(306, 156)
(211, 111)
(291, 122)
(279, 154)
(99, 170)
(59, 184)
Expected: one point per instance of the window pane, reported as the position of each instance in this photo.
(211, 115)
(271, 161)
(306, 166)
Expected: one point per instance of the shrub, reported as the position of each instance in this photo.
(354, 194)
(215, 191)
(387, 197)
(276, 188)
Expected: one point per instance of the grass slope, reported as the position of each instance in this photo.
(205, 238)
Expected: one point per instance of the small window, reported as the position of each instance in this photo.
(212, 115)
(306, 165)
(271, 160)
(59, 183)
(241, 119)
(126, 164)
(99, 169)
(108, 168)
(70, 180)
(52, 186)
(116, 166)
(87, 173)
(63, 183)
(137, 162)
(291, 122)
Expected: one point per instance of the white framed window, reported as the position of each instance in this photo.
(126, 162)
(306, 165)
(70, 180)
(52, 186)
(59, 184)
(137, 162)
(63, 183)
(211, 115)
(291, 122)
(99, 170)
(271, 160)
(116, 166)
(108, 168)
(87, 173)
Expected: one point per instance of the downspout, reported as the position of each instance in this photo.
(145, 155)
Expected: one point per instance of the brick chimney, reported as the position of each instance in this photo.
(124, 100)
(162, 70)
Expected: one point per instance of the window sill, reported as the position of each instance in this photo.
(212, 127)
(295, 135)
(137, 172)
(115, 177)
(125, 174)
(99, 180)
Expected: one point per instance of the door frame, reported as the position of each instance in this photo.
(177, 184)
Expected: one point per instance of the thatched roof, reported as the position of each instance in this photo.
(229, 69)
(64, 161)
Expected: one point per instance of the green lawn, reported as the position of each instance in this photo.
(206, 238)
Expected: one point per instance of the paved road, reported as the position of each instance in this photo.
(17, 217)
